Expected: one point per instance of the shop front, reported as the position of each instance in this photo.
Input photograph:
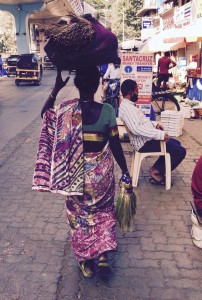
(190, 56)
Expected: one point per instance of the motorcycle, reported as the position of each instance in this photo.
(112, 90)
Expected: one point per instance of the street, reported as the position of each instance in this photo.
(156, 261)
(20, 105)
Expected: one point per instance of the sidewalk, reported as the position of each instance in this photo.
(156, 261)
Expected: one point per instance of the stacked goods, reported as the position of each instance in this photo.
(194, 72)
(172, 122)
(186, 110)
(79, 42)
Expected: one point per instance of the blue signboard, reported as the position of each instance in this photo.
(144, 68)
(146, 24)
(128, 69)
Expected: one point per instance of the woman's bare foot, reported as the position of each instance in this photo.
(102, 259)
(103, 265)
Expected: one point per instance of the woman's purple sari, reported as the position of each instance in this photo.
(92, 216)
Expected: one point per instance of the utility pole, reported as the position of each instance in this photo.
(123, 25)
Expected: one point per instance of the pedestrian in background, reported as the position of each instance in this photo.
(113, 70)
(164, 64)
(89, 131)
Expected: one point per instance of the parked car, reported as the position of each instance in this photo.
(29, 69)
(11, 65)
(47, 64)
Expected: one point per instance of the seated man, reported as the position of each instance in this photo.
(146, 135)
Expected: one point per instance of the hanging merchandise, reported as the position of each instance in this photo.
(199, 84)
(126, 205)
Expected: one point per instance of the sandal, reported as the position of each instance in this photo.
(153, 181)
(86, 268)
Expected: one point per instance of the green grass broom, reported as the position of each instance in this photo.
(126, 205)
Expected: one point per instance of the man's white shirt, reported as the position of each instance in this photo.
(141, 128)
(112, 72)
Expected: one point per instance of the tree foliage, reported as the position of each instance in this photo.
(3, 47)
(7, 36)
(123, 16)
(124, 19)
(98, 4)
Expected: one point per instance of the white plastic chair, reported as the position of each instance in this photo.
(138, 157)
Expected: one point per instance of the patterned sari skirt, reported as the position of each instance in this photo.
(92, 216)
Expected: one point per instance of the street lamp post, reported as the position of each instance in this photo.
(123, 26)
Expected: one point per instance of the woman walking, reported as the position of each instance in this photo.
(87, 136)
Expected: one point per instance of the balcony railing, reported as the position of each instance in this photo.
(165, 7)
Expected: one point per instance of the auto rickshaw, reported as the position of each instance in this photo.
(29, 69)
(11, 65)
(47, 63)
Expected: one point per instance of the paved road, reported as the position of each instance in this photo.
(156, 261)
(20, 105)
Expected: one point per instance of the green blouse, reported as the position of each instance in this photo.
(104, 128)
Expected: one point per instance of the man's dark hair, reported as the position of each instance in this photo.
(87, 79)
(127, 86)
(167, 53)
(117, 62)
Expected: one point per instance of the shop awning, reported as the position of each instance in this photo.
(130, 44)
(192, 33)
(156, 43)
(144, 10)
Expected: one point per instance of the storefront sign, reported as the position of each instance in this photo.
(168, 22)
(182, 15)
(199, 9)
(146, 23)
(168, 19)
(138, 67)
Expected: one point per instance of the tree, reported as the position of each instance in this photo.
(102, 7)
(3, 47)
(7, 38)
(97, 4)
(125, 20)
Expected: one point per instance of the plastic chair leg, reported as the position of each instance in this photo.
(136, 169)
(168, 171)
(132, 164)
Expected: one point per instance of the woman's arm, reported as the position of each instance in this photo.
(114, 141)
(59, 84)
(117, 152)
